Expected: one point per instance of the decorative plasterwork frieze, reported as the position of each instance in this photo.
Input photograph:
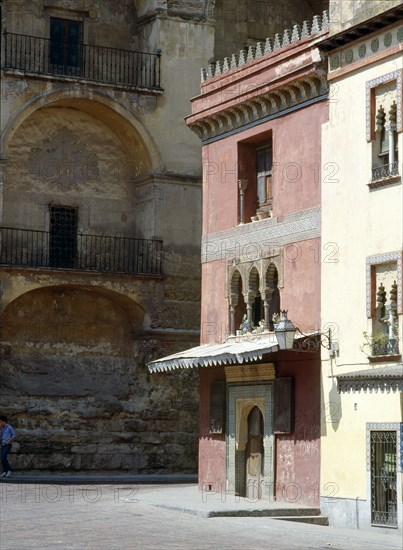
(371, 385)
(261, 239)
(370, 115)
(294, 95)
(384, 426)
(365, 48)
(384, 259)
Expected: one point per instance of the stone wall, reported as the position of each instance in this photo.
(241, 24)
(347, 13)
(75, 384)
(74, 343)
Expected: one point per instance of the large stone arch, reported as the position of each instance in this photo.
(77, 149)
(121, 120)
(132, 310)
(74, 380)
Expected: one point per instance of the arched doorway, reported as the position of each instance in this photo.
(250, 440)
(254, 460)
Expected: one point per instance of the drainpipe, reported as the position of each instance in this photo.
(357, 513)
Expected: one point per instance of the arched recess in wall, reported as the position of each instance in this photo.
(81, 150)
(68, 340)
(254, 296)
(121, 120)
(272, 293)
(237, 304)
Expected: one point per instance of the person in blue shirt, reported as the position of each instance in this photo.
(7, 434)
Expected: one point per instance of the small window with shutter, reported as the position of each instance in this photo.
(217, 407)
(264, 166)
(284, 405)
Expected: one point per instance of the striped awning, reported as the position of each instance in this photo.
(383, 379)
(234, 351)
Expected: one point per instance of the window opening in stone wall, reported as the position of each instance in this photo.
(257, 313)
(383, 478)
(253, 304)
(264, 180)
(65, 49)
(63, 236)
(237, 306)
(385, 161)
(254, 309)
(384, 339)
(272, 296)
(255, 183)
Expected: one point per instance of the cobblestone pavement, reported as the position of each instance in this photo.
(78, 517)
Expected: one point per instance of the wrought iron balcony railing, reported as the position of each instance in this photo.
(390, 347)
(385, 171)
(82, 61)
(30, 248)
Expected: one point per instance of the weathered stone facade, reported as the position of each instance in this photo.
(93, 131)
(74, 341)
(345, 14)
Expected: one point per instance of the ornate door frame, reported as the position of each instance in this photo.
(241, 398)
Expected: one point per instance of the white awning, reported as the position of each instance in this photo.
(235, 351)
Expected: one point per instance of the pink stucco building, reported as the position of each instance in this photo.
(259, 116)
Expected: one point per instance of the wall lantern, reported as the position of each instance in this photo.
(285, 333)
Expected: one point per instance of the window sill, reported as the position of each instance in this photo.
(384, 182)
(384, 358)
(261, 216)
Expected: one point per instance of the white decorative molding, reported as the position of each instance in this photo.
(371, 84)
(384, 259)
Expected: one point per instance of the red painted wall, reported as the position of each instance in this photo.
(296, 141)
(297, 455)
(300, 294)
(212, 463)
(296, 154)
(296, 162)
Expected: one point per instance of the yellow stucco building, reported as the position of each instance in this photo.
(361, 298)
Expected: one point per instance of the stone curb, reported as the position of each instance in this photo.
(119, 479)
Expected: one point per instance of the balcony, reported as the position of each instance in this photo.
(390, 347)
(42, 56)
(29, 248)
(385, 172)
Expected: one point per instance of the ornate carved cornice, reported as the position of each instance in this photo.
(263, 82)
(299, 93)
